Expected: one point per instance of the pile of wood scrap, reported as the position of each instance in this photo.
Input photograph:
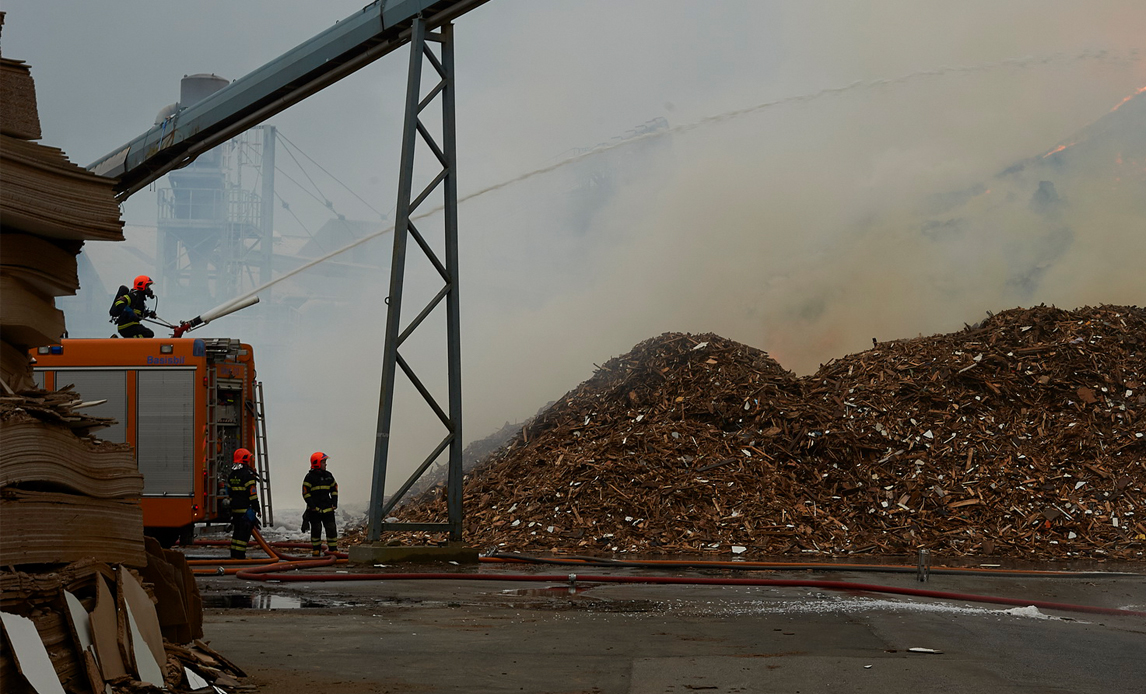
(91, 627)
(70, 509)
(1024, 436)
(474, 453)
(69, 501)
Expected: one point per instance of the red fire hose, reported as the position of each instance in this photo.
(274, 559)
(262, 573)
(598, 562)
(278, 563)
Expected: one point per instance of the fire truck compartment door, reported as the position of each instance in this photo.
(165, 426)
(101, 384)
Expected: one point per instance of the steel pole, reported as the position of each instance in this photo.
(267, 242)
(453, 309)
(397, 274)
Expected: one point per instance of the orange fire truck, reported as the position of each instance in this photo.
(184, 405)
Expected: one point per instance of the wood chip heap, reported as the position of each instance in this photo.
(1023, 436)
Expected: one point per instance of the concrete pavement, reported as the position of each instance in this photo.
(454, 636)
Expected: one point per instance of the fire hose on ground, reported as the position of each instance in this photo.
(273, 572)
(512, 558)
(219, 567)
(273, 568)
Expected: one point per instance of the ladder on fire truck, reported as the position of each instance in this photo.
(262, 460)
(215, 467)
(217, 460)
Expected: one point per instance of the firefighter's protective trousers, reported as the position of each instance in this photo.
(318, 521)
(320, 492)
(240, 535)
(241, 486)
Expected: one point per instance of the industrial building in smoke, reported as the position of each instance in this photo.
(215, 239)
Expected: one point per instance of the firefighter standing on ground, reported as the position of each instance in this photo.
(244, 502)
(130, 308)
(320, 492)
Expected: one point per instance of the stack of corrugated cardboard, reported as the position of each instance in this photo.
(50, 206)
(64, 497)
(71, 528)
(51, 469)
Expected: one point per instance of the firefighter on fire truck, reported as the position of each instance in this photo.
(130, 308)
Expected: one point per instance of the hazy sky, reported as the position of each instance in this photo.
(792, 228)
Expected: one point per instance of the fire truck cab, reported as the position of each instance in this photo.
(184, 406)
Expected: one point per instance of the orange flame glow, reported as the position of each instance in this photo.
(1143, 89)
(1056, 150)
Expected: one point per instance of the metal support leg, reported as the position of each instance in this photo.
(924, 569)
(267, 213)
(395, 335)
(453, 307)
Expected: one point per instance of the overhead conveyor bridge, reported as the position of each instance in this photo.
(377, 30)
(357, 41)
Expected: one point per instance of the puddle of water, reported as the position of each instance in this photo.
(258, 601)
(551, 591)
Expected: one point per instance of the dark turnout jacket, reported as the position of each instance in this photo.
(320, 491)
(242, 486)
(136, 300)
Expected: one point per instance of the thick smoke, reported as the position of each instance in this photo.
(805, 228)
(857, 193)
